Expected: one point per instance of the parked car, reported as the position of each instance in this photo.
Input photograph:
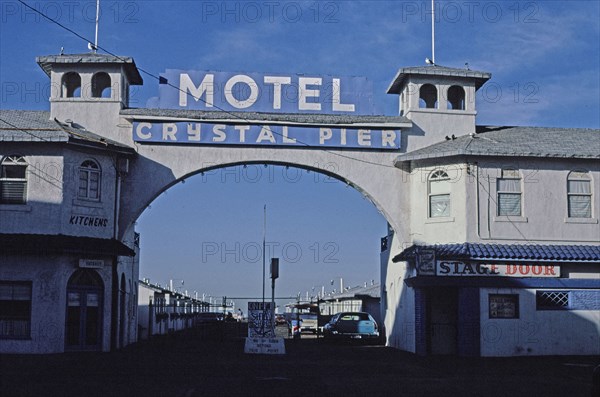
(209, 317)
(280, 319)
(351, 325)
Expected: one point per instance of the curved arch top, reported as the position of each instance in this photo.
(160, 167)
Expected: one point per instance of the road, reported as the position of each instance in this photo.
(190, 364)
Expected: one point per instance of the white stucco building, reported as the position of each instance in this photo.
(494, 237)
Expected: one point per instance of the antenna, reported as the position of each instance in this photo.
(432, 32)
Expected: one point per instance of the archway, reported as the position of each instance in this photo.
(219, 259)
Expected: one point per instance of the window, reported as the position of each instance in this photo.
(439, 194)
(428, 96)
(13, 180)
(509, 193)
(89, 180)
(456, 98)
(71, 85)
(551, 300)
(579, 195)
(15, 309)
(101, 85)
(504, 306)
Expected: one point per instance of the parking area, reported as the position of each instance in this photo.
(191, 364)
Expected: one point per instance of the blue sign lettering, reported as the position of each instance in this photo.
(264, 135)
(226, 91)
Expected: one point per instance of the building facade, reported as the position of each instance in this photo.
(68, 277)
(353, 299)
(505, 258)
(162, 310)
(494, 237)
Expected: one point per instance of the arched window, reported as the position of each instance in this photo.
(439, 194)
(509, 193)
(456, 98)
(90, 177)
(579, 194)
(13, 180)
(428, 96)
(84, 311)
(71, 85)
(101, 85)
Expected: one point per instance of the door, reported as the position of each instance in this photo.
(83, 324)
(442, 322)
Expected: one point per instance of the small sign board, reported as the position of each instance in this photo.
(264, 346)
(426, 262)
(91, 263)
(259, 320)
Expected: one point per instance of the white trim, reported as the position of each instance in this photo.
(269, 122)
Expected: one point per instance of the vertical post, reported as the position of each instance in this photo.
(150, 318)
(274, 275)
(97, 19)
(432, 32)
(273, 305)
(262, 330)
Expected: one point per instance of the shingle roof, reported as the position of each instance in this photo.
(36, 126)
(133, 75)
(58, 243)
(515, 141)
(479, 251)
(312, 119)
(436, 70)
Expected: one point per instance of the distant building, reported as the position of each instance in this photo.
(353, 299)
(161, 310)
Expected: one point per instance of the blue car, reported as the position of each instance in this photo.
(351, 325)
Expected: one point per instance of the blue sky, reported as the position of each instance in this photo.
(543, 56)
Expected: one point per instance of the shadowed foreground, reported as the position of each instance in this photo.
(188, 365)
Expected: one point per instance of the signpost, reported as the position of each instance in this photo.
(261, 339)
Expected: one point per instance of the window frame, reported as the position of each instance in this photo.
(437, 176)
(10, 320)
(579, 176)
(541, 307)
(89, 171)
(505, 175)
(14, 160)
(516, 303)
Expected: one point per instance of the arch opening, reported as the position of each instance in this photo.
(428, 97)
(101, 85)
(456, 98)
(71, 85)
(308, 229)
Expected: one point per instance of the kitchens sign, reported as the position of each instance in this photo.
(465, 269)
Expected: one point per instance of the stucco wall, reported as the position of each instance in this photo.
(544, 203)
(397, 299)
(49, 276)
(538, 332)
(52, 205)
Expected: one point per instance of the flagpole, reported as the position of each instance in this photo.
(97, 20)
(432, 32)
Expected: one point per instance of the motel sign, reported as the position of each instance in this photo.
(227, 92)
